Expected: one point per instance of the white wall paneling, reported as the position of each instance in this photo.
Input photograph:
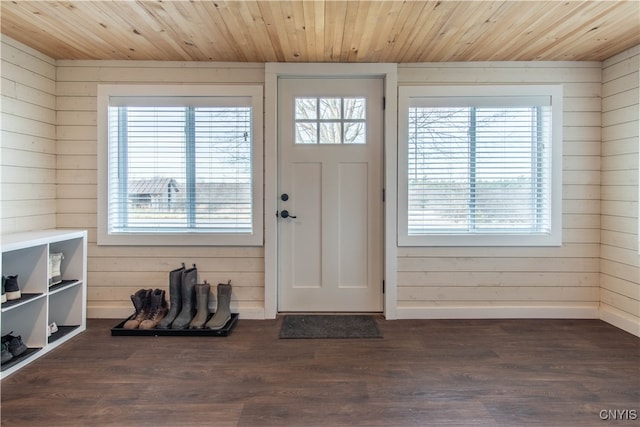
(620, 262)
(115, 273)
(49, 180)
(28, 139)
(460, 282)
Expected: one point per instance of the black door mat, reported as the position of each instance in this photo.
(118, 330)
(295, 326)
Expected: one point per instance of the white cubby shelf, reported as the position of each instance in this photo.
(27, 255)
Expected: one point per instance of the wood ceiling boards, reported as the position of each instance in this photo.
(325, 31)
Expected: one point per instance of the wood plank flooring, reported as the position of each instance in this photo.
(422, 373)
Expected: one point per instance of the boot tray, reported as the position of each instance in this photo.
(118, 330)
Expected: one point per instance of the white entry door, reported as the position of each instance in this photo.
(330, 195)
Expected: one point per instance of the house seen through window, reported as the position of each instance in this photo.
(181, 165)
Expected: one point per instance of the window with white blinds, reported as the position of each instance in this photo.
(179, 167)
(479, 168)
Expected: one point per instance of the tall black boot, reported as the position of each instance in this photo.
(175, 297)
(202, 301)
(223, 311)
(189, 280)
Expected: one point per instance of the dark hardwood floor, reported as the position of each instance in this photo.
(422, 373)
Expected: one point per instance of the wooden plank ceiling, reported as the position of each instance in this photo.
(325, 31)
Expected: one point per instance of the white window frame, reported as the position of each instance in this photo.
(255, 92)
(553, 238)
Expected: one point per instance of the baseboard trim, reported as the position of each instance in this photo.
(501, 312)
(620, 319)
(96, 311)
(608, 314)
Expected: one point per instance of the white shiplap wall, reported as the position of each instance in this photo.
(115, 272)
(433, 282)
(28, 139)
(620, 262)
(561, 281)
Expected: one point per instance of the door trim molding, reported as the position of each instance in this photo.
(389, 73)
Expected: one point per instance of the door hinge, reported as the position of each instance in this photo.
(384, 102)
(384, 195)
(383, 287)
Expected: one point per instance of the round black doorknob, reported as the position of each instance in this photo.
(285, 214)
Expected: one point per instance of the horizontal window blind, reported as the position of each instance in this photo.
(477, 167)
(180, 168)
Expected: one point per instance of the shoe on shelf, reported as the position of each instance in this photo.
(11, 288)
(52, 329)
(6, 354)
(55, 276)
(14, 344)
(4, 296)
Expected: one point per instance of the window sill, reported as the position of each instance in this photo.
(179, 239)
(481, 240)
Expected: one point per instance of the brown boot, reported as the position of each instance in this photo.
(157, 310)
(141, 302)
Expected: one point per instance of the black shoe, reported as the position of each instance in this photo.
(14, 344)
(11, 288)
(6, 354)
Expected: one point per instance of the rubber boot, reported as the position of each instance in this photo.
(223, 311)
(157, 311)
(189, 280)
(141, 302)
(175, 297)
(202, 302)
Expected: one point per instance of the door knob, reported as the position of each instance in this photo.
(285, 214)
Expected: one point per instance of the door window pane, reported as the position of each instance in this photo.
(355, 133)
(306, 133)
(330, 133)
(306, 108)
(354, 108)
(330, 108)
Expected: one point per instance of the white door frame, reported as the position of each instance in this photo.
(389, 73)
